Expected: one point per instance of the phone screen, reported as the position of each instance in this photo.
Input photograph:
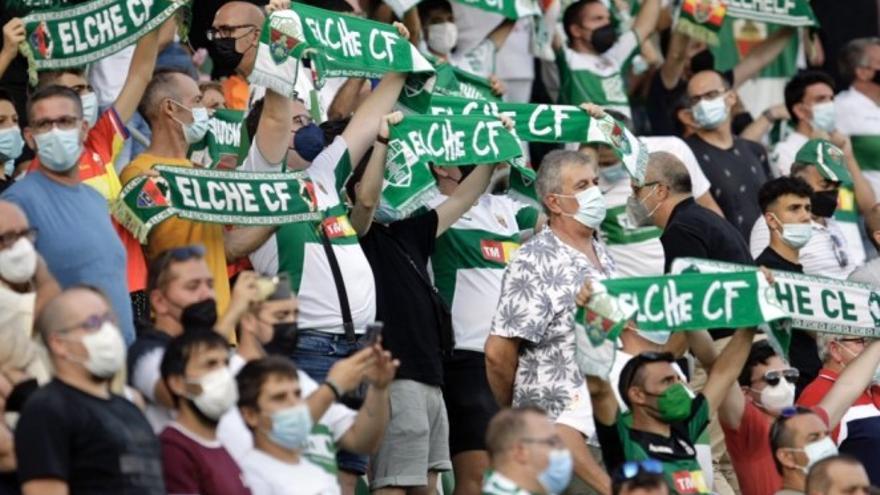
(374, 330)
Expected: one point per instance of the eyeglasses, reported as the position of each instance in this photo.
(65, 123)
(857, 340)
(636, 189)
(773, 377)
(839, 251)
(630, 469)
(553, 441)
(9, 238)
(82, 89)
(91, 324)
(219, 32)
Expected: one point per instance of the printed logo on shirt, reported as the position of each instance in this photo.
(498, 251)
(689, 482)
(336, 227)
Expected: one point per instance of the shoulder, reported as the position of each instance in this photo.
(136, 167)
(755, 148)
(814, 392)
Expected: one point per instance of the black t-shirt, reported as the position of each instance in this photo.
(803, 353)
(404, 301)
(97, 445)
(735, 175)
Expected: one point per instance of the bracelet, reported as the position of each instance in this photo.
(382, 139)
(333, 388)
(767, 114)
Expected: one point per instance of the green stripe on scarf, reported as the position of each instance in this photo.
(511, 9)
(226, 143)
(80, 34)
(339, 45)
(215, 196)
(784, 12)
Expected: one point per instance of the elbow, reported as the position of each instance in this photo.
(496, 358)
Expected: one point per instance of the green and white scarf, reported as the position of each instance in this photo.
(76, 35)
(684, 302)
(818, 304)
(338, 45)
(511, 9)
(215, 196)
(703, 19)
(420, 141)
(226, 143)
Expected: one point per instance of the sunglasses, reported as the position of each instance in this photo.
(630, 469)
(772, 378)
(839, 251)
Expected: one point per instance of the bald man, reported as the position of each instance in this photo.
(735, 167)
(838, 475)
(74, 435)
(233, 38)
(869, 273)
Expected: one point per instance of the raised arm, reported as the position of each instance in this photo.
(242, 241)
(275, 126)
(727, 367)
(851, 383)
(499, 35)
(761, 56)
(646, 20)
(464, 197)
(605, 406)
(13, 35)
(365, 434)
(865, 198)
(143, 61)
(370, 187)
(346, 99)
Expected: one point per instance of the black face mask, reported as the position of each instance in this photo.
(824, 203)
(224, 56)
(603, 38)
(20, 393)
(876, 78)
(285, 336)
(199, 316)
(309, 142)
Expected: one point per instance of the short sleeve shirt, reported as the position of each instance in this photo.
(96, 445)
(469, 261)
(195, 465)
(266, 475)
(749, 449)
(825, 254)
(296, 248)
(677, 452)
(177, 232)
(590, 78)
(537, 306)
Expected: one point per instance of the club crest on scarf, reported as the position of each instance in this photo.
(41, 40)
(285, 34)
(153, 195)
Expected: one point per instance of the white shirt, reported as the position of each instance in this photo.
(856, 114)
(785, 151)
(818, 256)
(266, 475)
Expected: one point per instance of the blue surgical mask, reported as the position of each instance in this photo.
(11, 144)
(710, 114)
(823, 116)
(591, 207)
(196, 130)
(556, 477)
(614, 173)
(90, 108)
(797, 235)
(59, 149)
(308, 142)
(291, 427)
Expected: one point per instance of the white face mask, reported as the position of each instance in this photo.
(818, 450)
(106, 351)
(591, 207)
(18, 262)
(219, 393)
(709, 114)
(442, 37)
(778, 397)
(796, 235)
(823, 116)
(90, 108)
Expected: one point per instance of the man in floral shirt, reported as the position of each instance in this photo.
(530, 353)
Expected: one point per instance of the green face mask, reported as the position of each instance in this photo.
(674, 404)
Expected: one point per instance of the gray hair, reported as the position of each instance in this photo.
(823, 341)
(549, 179)
(669, 170)
(854, 56)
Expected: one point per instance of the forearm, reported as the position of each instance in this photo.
(603, 400)
(851, 383)
(499, 35)
(864, 193)
(319, 402)
(346, 99)
(646, 20)
(414, 24)
(273, 131)
(140, 71)
(6, 58)
(366, 433)
(370, 190)
(242, 241)
(757, 129)
(760, 56)
(702, 347)
(464, 197)
(585, 466)
(364, 126)
(728, 366)
(501, 377)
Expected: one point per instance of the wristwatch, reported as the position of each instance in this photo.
(767, 114)
(382, 139)
(333, 388)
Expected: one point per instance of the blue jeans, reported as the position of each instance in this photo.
(315, 353)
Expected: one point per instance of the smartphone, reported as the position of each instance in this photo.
(374, 331)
